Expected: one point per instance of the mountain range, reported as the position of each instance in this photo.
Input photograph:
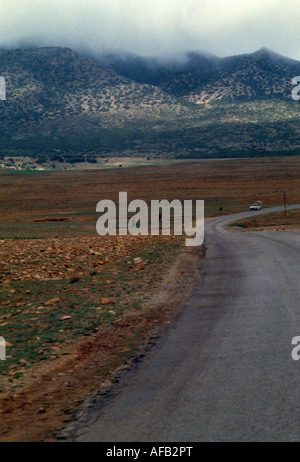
(61, 104)
(203, 78)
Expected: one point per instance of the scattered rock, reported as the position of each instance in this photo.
(6, 316)
(93, 252)
(65, 318)
(107, 301)
(74, 279)
(52, 302)
(137, 261)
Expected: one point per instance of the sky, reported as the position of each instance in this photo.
(165, 28)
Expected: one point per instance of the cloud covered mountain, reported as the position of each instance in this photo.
(60, 103)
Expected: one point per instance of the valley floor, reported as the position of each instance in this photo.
(69, 297)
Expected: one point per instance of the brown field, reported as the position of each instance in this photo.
(231, 184)
(76, 307)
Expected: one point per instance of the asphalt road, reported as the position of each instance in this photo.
(224, 371)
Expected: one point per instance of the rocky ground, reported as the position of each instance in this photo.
(73, 324)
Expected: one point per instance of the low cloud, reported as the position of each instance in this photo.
(153, 27)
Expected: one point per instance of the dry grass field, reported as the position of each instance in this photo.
(74, 306)
(231, 184)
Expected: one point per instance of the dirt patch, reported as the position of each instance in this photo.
(52, 393)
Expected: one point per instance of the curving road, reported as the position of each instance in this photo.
(224, 372)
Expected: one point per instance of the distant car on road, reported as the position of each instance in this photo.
(256, 206)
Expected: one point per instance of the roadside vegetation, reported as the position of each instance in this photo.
(274, 221)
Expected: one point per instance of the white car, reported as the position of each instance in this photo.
(256, 206)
